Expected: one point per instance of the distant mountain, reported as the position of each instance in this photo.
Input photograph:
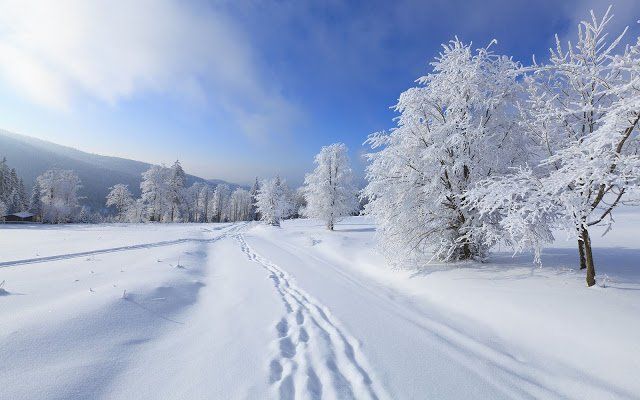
(31, 157)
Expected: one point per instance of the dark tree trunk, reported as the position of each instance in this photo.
(583, 261)
(591, 269)
(466, 251)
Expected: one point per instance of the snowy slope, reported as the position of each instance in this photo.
(221, 311)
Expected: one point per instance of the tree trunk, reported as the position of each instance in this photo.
(583, 261)
(591, 269)
(330, 226)
(466, 251)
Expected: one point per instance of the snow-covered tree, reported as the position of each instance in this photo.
(35, 202)
(220, 202)
(16, 203)
(120, 197)
(299, 203)
(136, 212)
(329, 189)
(582, 118)
(191, 199)
(15, 197)
(22, 195)
(240, 205)
(289, 198)
(454, 129)
(273, 201)
(203, 204)
(254, 193)
(84, 216)
(175, 186)
(155, 192)
(12, 190)
(5, 181)
(59, 195)
(3, 210)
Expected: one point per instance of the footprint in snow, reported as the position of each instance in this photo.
(311, 347)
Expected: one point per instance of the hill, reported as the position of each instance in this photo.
(31, 157)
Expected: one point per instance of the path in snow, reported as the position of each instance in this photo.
(315, 357)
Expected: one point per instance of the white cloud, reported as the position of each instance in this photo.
(56, 53)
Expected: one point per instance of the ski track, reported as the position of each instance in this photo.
(314, 358)
(225, 232)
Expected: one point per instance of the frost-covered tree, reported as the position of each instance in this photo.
(273, 201)
(329, 189)
(175, 186)
(204, 204)
(192, 202)
(120, 197)
(220, 202)
(16, 203)
(136, 212)
(155, 195)
(59, 195)
(454, 129)
(85, 216)
(289, 198)
(582, 118)
(240, 205)
(254, 193)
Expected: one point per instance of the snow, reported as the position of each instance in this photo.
(234, 311)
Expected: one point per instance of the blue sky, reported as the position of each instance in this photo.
(236, 89)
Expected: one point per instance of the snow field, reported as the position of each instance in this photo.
(243, 311)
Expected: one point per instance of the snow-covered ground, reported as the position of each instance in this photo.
(222, 311)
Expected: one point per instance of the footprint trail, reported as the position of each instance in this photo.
(314, 357)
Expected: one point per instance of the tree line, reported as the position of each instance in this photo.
(166, 198)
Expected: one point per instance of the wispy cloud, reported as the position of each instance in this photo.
(60, 53)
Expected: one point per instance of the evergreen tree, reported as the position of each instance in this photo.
(35, 204)
(5, 181)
